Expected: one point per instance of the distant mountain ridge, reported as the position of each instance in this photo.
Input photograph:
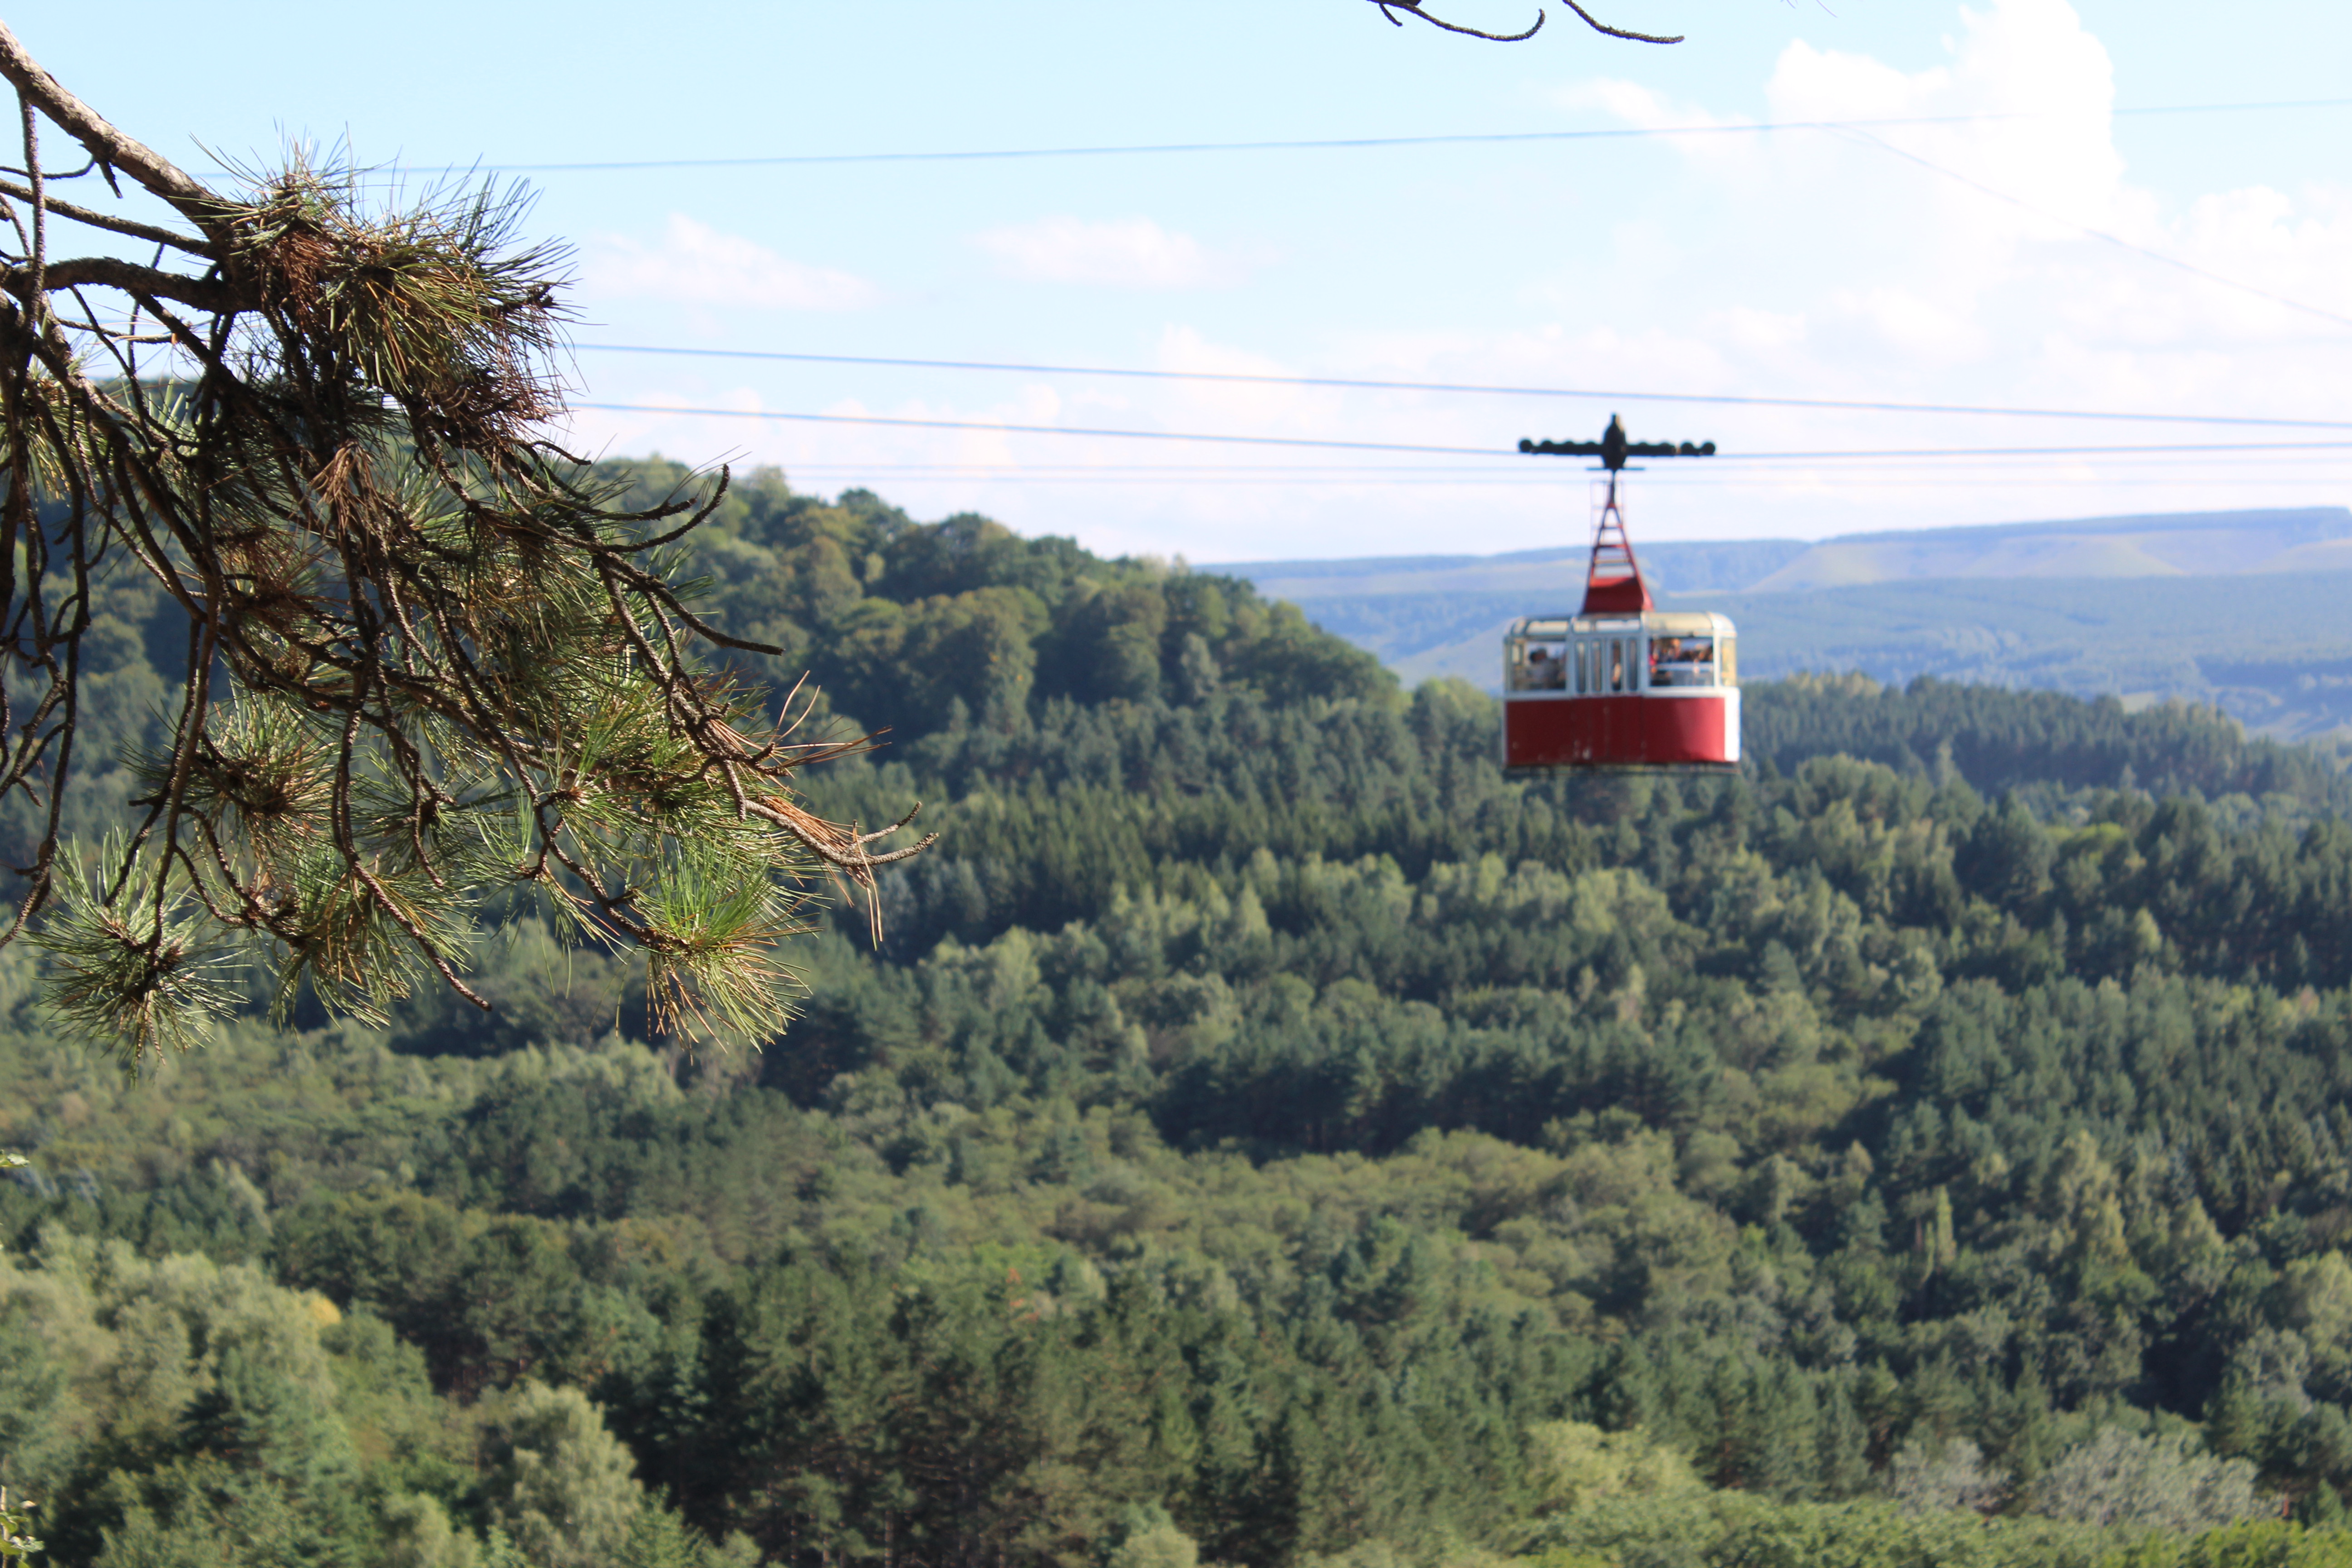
(2090, 605)
(2277, 539)
(2302, 539)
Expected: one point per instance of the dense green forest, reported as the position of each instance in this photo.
(1265, 1136)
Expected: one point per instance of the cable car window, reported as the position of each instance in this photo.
(1544, 669)
(1582, 650)
(1616, 664)
(1728, 665)
(1681, 661)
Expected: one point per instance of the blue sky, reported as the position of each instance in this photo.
(1796, 263)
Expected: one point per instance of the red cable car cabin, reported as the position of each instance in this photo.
(1621, 684)
(1655, 689)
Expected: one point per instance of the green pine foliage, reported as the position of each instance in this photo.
(1267, 1136)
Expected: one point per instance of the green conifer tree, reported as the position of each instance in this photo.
(1841, 1443)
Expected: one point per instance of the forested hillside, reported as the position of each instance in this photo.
(1265, 1134)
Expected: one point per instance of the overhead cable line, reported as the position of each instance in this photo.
(2137, 451)
(1336, 143)
(1284, 473)
(1327, 444)
(1840, 478)
(1623, 133)
(1467, 388)
(1838, 481)
(1043, 429)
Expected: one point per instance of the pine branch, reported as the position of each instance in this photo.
(144, 282)
(430, 658)
(1413, 7)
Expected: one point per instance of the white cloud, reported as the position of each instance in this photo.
(1241, 405)
(1633, 103)
(1118, 253)
(1917, 326)
(697, 264)
(1889, 272)
(1761, 331)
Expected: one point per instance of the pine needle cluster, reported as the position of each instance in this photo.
(430, 659)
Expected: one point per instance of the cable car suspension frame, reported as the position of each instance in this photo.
(1622, 685)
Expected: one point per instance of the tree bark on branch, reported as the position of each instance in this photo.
(1388, 8)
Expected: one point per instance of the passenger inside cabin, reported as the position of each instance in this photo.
(1546, 669)
(1681, 661)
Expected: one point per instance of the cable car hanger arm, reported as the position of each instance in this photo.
(1633, 448)
(1613, 448)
